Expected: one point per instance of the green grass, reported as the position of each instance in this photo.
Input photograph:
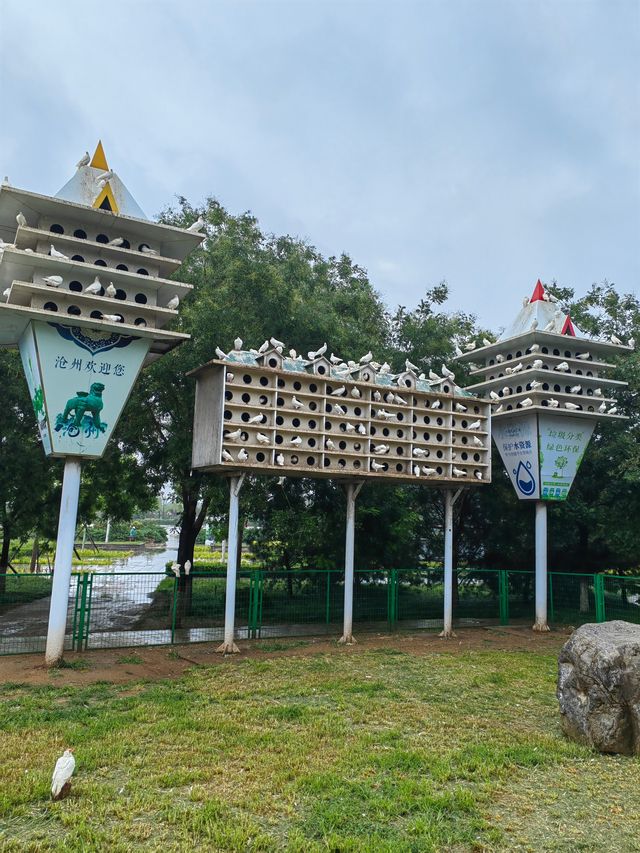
(21, 589)
(129, 659)
(369, 751)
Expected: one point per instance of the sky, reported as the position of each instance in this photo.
(487, 143)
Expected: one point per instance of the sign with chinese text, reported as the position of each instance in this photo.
(563, 441)
(79, 380)
(517, 443)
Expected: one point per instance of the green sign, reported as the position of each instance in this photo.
(79, 380)
(563, 441)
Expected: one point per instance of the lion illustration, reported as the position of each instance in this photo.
(86, 402)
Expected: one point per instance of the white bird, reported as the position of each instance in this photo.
(458, 472)
(454, 455)
(237, 344)
(56, 254)
(525, 301)
(487, 342)
(493, 395)
(517, 368)
(276, 343)
(227, 456)
(422, 377)
(173, 303)
(21, 219)
(398, 400)
(366, 358)
(537, 364)
(355, 392)
(280, 459)
(384, 415)
(597, 392)
(262, 438)
(175, 568)
(508, 371)
(460, 408)
(632, 343)
(377, 396)
(458, 351)
(470, 346)
(349, 428)
(418, 451)
(339, 392)
(329, 444)
(437, 404)
(434, 377)
(111, 290)
(551, 297)
(563, 367)
(602, 408)
(30, 251)
(297, 404)
(553, 403)
(376, 466)
(264, 347)
(335, 359)
(534, 324)
(257, 419)
(62, 773)
(477, 475)
(475, 425)
(416, 470)
(575, 389)
(506, 391)
(233, 436)
(526, 402)
(385, 368)
(388, 398)
(499, 409)
(105, 176)
(112, 318)
(196, 226)
(187, 566)
(95, 287)
(549, 326)
(583, 356)
(83, 161)
(410, 366)
(428, 471)
(242, 455)
(535, 385)
(616, 340)
(317, 353)
(613, 410)
(220, 353)
(293, 353)
(572, 406)
(6, 292)
(381, 449)
(534, 348)
(296, 441)
(339, 410)
(53, 280)
(499, 358)
(362, 429)
(117, 241)
(448, 374)
(477, 441)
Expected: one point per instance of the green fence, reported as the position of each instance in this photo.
(112, 609)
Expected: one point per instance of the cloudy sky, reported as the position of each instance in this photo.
(485, 142)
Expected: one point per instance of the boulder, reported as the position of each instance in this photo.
(599, 687)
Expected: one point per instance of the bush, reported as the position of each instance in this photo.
(147, 531)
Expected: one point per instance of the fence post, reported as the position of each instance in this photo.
(84, 636)
(552, 608)
(255, 585)
(503, 594)
(76, 612)
(174, 610)
(80, 629)
(598, 589)
(328, 603)
(392, 597)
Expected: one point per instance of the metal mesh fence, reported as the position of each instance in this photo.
(24, 612)
(621, 598)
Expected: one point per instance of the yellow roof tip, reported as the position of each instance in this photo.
(99, 161)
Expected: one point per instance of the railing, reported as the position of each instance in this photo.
(109, 609)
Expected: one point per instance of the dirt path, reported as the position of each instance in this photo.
(119, 666)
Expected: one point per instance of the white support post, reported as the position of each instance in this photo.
(352, 491)
(449, 500)
(541, 567)
(62, 567)
(107, 531)
(228, 646)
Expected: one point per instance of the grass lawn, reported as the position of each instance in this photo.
(373, 750)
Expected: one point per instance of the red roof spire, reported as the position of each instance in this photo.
(568, 329)
(538, 292)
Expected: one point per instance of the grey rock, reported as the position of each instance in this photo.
(599, 687)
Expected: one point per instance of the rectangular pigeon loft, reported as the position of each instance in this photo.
(302, 434)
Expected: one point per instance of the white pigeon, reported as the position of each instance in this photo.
(296, 441)
(262, 438)
(563, 367)
(95, 287)
(526, 402)
(30, 251)
(242, 455)
(399, 401)
(366, 358)
(517, 368)
(339, 392)
(422, 377)
(111, 290)
(537, 364)
(460, 407)
(349, 428)
(549, 326)
(53, 280)
(339, 410)
(381, 449)
(293, 353)
(506, 391)
(553, 403)
(416, 470)
(105, 176)
(434, 377)
(448, 374)
(499, 409)
(534, 348)
(6, 292)
(62, 773)
(458, 351)
(376, 466)
(458, 472)
(329, 444)
(355, 392)
(264, 347)
(388, 398)
(112, 318)
(384, 415)
(508, 370)
(280, 459)
(613, 410)
(276, 343)
(616, 340)
(583, 356)
(335, 359)
(196, 226)
(418, 451)
(351, 364)
(493, 395)
(477, 475)
(297, 404)
(632, 343)
(385, 368)
(175, 568)
(487, 342)
(117, 241)
(21, 219)
(257, 419)
(535, 385)
(237, 344)
(475, 425)
(187, 566)
(525, 301)
(597, 392)
(220, 353)
(173, 303)
(377, 396)
(233, 436)
(572, 406)
(575, 389)
(317, 353)
(477, 441)
(470, 346)
(499, 358)
(410, 366)
(362, 429)
(437, 404)
(56, 254)
(83, 161)
(602, 408)
(428, 471)
(227, 456)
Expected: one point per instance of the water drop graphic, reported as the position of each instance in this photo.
(525, 480)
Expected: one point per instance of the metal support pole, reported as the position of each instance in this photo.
(541, 567)
(228, 646)
(352, 491)
(107, 531)
(449, 500)
(62, 566)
